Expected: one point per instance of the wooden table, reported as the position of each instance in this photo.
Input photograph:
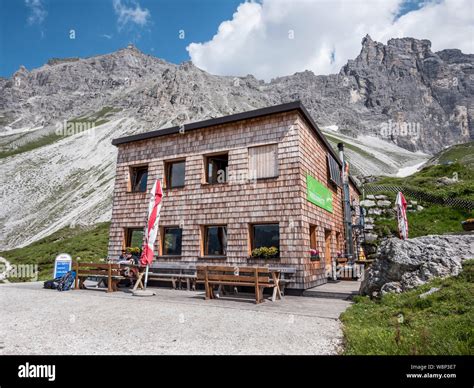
(276, 274)
(138, 273)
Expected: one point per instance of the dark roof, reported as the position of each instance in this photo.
(252, 114)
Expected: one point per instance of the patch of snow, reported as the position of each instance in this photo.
(409, 170)
(333, 128)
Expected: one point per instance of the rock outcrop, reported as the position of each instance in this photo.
(406, 264)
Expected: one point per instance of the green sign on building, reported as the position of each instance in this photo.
(318, 194)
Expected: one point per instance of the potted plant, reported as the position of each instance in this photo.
(265, 252)
(134, 250)
(468, 225)
(314, 255)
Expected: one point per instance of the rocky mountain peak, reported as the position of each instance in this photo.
(21, 70)
(58, 61)
(371, 52)
(374, 98)
(401, 82)
(410, 45)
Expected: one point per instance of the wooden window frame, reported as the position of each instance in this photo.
(162, 240)
(206, 169)
(166, 166)
(313, 237)
(203, 241)
(131, 170)
(127, 235)
(252, 236)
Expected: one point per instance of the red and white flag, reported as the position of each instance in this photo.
(154, 208)
(401, 204)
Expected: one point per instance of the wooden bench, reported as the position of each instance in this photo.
(110, 272)
(174, 273)
(257, 277)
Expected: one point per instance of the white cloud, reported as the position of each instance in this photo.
(325, 34)
(130, 13)
(37, 12)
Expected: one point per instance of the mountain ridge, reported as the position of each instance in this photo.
(69, 180)
(402, 81)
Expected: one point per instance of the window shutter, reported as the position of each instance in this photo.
(263, 161)
(334, 171)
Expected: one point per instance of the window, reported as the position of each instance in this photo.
(334, 171)
(265, 235)
(313, 237)
(175, 174)
(138, 179)
(216, 168)
(171, 241)
(263, 161)
(215, 240)
(134, 237)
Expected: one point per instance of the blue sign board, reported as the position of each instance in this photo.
(62, 265)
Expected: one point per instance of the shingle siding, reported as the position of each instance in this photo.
(236, 204)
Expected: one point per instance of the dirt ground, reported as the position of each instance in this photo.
(38, 321)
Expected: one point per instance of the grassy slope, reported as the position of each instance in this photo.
(434, 219)
(461, 153)
(440, 324)
(87, 243)
(41, 142)
(426, 180)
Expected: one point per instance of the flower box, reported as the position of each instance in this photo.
(314, 255)
(265, 253)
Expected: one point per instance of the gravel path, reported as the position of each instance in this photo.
(38, 321)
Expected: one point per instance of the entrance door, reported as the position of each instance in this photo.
(327, 250)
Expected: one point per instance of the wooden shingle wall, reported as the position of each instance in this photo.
(237, 203)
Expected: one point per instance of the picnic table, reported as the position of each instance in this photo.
(175, 273)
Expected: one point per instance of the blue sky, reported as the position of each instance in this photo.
(266, 38)
(97, 30)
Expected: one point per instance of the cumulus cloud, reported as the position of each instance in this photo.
(37, 13)
(277, 37)
(130, 13)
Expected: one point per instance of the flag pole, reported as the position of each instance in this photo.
(146, 276)
(151, 228)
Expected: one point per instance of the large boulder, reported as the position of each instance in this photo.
(406, 264)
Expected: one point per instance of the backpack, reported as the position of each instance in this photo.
(51, 284)
(66, 281)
